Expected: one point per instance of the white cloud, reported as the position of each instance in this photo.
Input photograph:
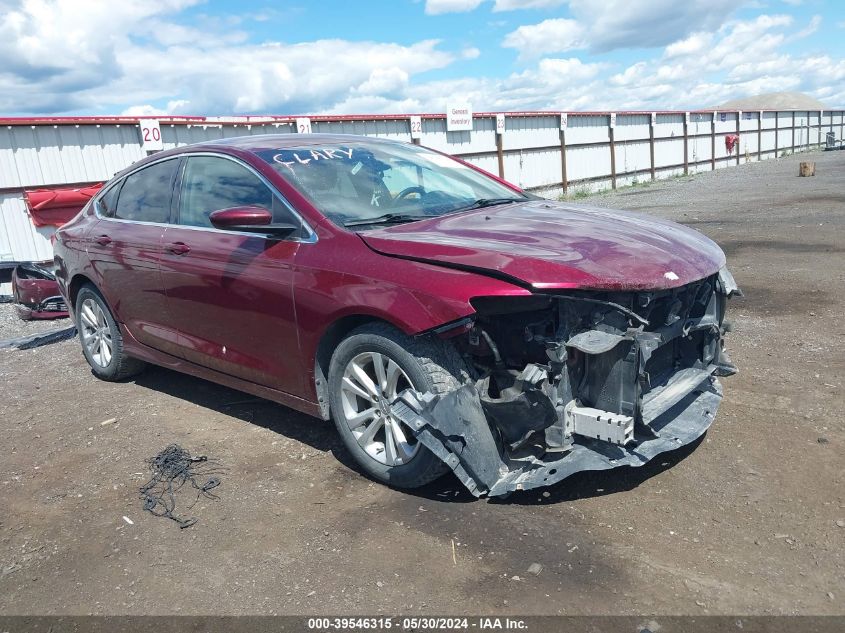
(57, 62)
(148, 110)
(567, 70)
(384, 81)
(701, 69)
(555, 35)
(811, 28)
(52, 51)
(614, 24)
(513, 5)
(64, 56)
(272, 77)
(692, 45)
(632, 75)
(436, 7)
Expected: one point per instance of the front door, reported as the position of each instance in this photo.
(229, 293)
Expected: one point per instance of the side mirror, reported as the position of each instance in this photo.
(250, 220)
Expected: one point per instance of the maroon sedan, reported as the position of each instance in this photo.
(440, 316)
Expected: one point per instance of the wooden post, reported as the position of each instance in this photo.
(738, 137)
(612, 159)
(759, 135)
(793, 130)
(651, 143)
(777, 121)
(563, 175)
(686, 144)
(713, 142)
(500, 154)
(841, 124)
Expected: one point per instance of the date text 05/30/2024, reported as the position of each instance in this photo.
(416, 623)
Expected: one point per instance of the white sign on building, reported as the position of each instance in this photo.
(458, 117)
(416, 127)
(150, 135)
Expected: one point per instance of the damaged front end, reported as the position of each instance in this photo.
(577, 381)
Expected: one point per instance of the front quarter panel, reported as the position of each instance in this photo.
(340, 276)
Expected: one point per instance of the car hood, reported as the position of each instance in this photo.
(550, 245)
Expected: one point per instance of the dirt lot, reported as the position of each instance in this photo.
(751, 520)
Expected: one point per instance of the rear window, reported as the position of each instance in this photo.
(145, 195)
(107, 203)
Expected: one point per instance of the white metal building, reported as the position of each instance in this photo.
(545, 152)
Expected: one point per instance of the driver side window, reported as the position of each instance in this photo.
(210, 183)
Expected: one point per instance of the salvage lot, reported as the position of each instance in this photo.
(746, 521)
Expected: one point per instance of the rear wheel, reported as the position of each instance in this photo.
(368, 370)
(102, 342)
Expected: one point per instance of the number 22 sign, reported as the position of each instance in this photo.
(150, 135)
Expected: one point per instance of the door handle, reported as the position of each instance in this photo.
(103, 240)
(178, 248)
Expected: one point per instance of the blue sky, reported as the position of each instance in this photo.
(287, 57)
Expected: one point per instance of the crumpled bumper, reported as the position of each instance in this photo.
(453, 427)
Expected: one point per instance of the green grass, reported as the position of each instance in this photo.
(579, 192)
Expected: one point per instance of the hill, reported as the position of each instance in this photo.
(774, 101)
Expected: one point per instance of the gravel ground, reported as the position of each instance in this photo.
(749, 521)
(11, 326)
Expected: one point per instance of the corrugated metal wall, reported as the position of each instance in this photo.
(41, 153)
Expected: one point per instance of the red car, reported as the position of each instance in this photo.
(441, 317)
(36, 293)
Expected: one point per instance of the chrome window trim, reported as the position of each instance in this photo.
(310, 238)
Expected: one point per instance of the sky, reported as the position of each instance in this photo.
(222, 57)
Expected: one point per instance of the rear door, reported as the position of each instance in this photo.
(124, 248)
(229, 293)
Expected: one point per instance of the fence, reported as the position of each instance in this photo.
(547, 153)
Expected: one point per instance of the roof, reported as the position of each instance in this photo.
(256, 143)
(283, 141)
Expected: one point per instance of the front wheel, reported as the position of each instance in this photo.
(102, 342)
(368, 370)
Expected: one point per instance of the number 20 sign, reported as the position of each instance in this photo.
(150, 135)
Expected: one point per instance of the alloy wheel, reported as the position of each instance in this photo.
(95, 332)
(371, 383)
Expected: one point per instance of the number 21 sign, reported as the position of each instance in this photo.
(150, 135)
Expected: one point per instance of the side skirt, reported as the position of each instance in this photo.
(150, 355)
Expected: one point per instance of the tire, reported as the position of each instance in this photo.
(102, 342)
(428, 364)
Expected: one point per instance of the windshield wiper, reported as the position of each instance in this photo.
(486, 202)
(387, 218)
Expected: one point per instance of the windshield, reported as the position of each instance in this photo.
(359, 184)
